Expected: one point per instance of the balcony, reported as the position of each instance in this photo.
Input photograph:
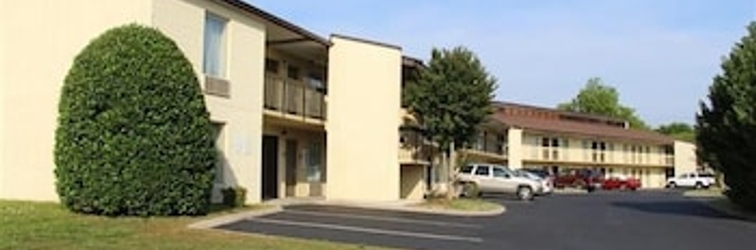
(413, 149)
(290, 97)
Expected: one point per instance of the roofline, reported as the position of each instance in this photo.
(276, 20)
(363, 40)
(586, 115)
(412, 62)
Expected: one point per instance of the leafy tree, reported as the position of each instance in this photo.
(450, 98)
(678, 130)
(726, 124)
(599, 99)
(133, 136)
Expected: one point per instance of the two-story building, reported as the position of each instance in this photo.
(295, 114)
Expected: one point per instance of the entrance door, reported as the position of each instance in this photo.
(291, 167)
(270, 167)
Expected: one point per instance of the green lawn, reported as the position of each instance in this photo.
(33, 225)
(462, 204)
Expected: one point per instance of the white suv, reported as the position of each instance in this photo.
(490, 178)
(694, 180)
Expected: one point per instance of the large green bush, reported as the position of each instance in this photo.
(134, 136)
(726, 126)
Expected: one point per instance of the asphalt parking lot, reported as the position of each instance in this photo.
(603, 220)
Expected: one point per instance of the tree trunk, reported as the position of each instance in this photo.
(451, 190)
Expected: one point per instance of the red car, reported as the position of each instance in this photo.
(579, 178)
(621, 183)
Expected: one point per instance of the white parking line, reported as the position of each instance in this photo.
(369, 230)
(380, 218)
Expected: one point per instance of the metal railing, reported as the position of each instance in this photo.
(293, 97)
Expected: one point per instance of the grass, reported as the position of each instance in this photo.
(704, 193)
(720, 202)
(36, 225)
(462, 204)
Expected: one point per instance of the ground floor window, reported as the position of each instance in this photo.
(314, 162)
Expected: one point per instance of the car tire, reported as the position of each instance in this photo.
(698, 185)
(525, 193)
(672, 185)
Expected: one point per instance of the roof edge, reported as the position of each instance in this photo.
(276, 20)
(363, 40)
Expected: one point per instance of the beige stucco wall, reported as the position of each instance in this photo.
(241, 113)
(302, 187)
(575, 153)
(515, 149)
(412, 182)
(46, 36)
(685, 158)
(362, 123)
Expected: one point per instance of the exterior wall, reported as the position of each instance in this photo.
(303, 187)
(412, 184)
(573, 150)
(362, 123)
(39, 41)
(515, 149)
(685, 158)
(241, 113)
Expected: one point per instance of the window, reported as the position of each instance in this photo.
(271, 66)
(555, 142)
(293, 73)
(483, 171)
(314, 159)
(220, 142)
(466, 169)
(545, 142)
(500, 172)
(214, 54)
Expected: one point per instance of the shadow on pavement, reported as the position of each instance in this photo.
(679, 207)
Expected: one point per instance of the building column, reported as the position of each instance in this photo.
(514, 152)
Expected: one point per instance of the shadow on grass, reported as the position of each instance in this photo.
(692, 208)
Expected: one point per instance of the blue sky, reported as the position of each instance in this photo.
(660, 55)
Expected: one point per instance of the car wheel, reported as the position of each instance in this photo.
(699, 185)
(672, 185)
(525, 193)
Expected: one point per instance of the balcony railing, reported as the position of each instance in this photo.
(293, 97)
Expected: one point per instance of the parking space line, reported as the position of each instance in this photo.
(380, 218)
(369, 230)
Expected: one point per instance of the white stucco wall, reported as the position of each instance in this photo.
(362, 123)
(685, 158)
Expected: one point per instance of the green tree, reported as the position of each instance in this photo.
(600, 99)
(726, 124)
(133, 136)
(679, 130)
(450, 99)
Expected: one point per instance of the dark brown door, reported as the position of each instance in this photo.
(270, 167)
(291, 167)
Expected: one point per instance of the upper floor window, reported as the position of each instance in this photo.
(214, 46)
(293, 72)
(271, 66)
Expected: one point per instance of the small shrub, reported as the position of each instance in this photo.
(234, 196)
(133, 136)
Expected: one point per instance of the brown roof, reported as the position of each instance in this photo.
(552, 120)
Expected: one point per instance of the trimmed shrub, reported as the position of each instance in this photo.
(234, 196)
(726, 125)
(133, 136)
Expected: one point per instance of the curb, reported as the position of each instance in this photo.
(498, 211)
(226, 219)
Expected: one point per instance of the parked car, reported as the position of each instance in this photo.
(587, 179)
(621, 182)
(547, 185)
(694, 180)
(488, 178)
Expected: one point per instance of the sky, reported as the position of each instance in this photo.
(661, 56)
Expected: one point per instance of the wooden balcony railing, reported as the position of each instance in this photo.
(293, 97)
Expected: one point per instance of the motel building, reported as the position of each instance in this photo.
(295, 114)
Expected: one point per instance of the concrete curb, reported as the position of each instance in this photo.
(569, 191)
(407, 207)
(230, 218)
